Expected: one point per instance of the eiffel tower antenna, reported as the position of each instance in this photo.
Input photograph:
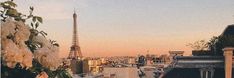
(74, 10)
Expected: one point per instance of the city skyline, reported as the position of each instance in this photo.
(117, 28)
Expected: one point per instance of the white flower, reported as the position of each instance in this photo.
(11, 53)
(27, 58)
(47, 55)
(7, 28)
(18, 29)
(41, 40)
(22, 32)
(20, 36)
(54, 48)
(47, 58)
(14, 50)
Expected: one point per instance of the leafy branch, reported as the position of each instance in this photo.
(53, 42)
(9, 11)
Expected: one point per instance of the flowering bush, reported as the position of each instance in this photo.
(25, 51)
(14, 50)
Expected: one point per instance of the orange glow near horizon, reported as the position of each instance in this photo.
(129, 28)
(104, 47)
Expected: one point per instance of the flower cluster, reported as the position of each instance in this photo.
(14, 50)
(47, 54)
(25, 51)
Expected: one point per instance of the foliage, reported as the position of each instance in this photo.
(8, 10)
(216, 44)
(202, 53)
(16, 72)
(198, 45)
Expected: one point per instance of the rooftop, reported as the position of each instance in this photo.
(229, 30)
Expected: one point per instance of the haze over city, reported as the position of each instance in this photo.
(131, 27)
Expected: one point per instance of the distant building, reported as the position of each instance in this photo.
(176, 53)
(110, 72)
(199, 67)
(165, 59)
(103, 61)
(205, 66)
(132, 61)
(141, 60)
(93, 65)
(85, 65)
(172, 54)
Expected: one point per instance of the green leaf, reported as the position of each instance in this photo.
(43, 33)
(32, 25)
(31, 8)
(56, 44)
(12, 12)
(34, 19)
(11, 3)
(2, 4)
(39, 19)
(5, 6)
(17, 18)
(37, 24)
(63, 74)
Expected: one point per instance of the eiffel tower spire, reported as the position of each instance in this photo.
(75, 51)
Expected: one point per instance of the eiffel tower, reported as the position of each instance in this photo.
(75, 52)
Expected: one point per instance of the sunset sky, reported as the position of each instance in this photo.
(131, 27)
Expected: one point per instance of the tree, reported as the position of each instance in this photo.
(226, 39)
(198, 45)
(216, 44)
